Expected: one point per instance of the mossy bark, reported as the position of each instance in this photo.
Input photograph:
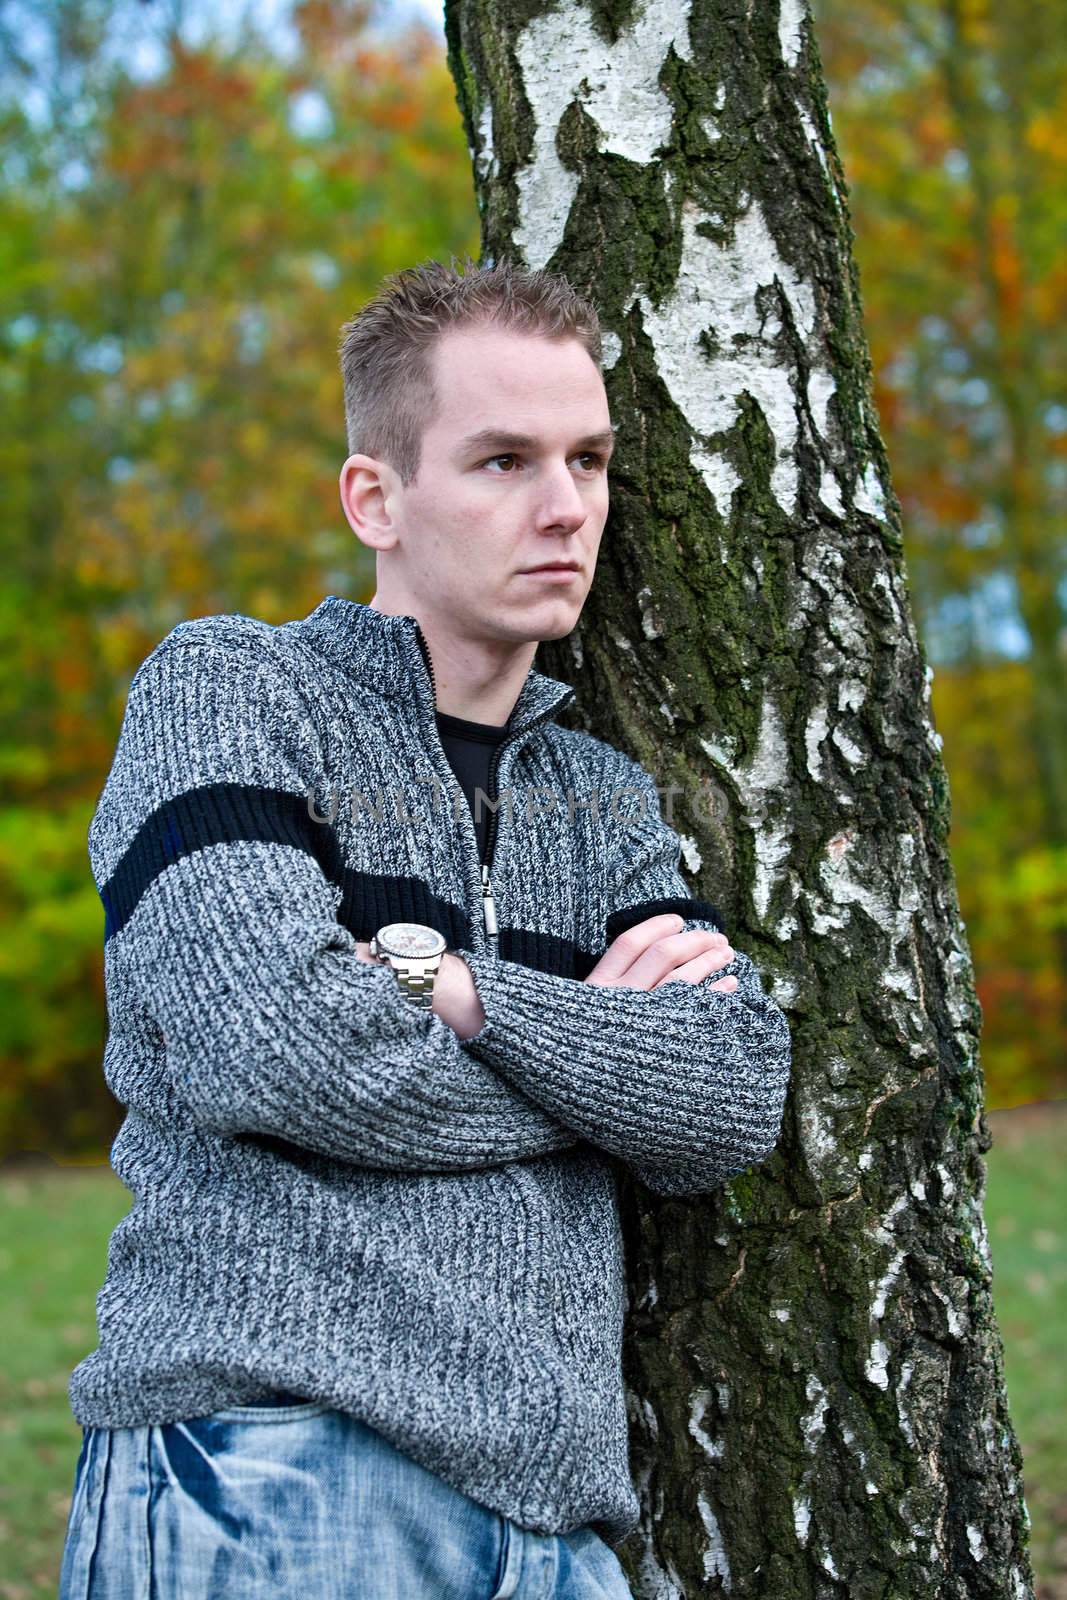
(812, 1361)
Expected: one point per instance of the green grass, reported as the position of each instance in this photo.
(1026, 1214)
(56, 1223)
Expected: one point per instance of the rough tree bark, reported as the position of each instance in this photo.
(818, 1404)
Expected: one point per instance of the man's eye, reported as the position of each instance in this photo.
(583, 455)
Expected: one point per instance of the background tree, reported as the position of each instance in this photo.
(816, 1373)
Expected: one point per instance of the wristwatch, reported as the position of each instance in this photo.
(414, 952)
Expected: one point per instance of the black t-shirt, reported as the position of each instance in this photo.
(469, 747)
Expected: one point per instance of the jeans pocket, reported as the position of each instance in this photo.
(509, 1564)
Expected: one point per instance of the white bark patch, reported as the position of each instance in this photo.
(821, 387)
(611, 349)
(814, 734)
(855, 876)
(882, 580)
(764, 776)
(851, 752)
(723, 751)
(657, 1576)
(906, 1372)
(851, 693)
(976, 1542)
(931, 733)
(813, 1424)
(876, 1367)
(714, 1448)
(957, 963)
(847, 623)
(868, 494)
(830, 494)
(691, 853)
(812, 135)
(650, 621)
(818, 1139)
(824, 922)
(801, 1519)
(790, 34)
(715, 292)
(781, 1313)
(767, 774)
(884, 1284)
(956, 1319)
(979, 1232)
(720, 479)
(716, 1561)
(486, 160)
(564, 60)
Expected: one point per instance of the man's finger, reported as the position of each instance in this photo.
(621, 954)
(677, 953)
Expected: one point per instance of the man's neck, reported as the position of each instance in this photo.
(477, 680)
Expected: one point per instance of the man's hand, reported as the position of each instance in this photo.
(654, 952)
(455, 998)
(650, 953)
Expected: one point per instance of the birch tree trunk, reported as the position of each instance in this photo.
(814, 1369)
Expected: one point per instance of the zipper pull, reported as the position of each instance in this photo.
(488, 904)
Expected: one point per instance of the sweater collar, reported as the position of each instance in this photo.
(389, 653)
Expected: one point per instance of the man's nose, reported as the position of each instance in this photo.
(561, 501)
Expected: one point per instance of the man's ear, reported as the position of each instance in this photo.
(367, 487)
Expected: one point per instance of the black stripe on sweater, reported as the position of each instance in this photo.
(228, 813)
(217, 813)
(687, 906)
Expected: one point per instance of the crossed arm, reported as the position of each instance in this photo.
(222, 920)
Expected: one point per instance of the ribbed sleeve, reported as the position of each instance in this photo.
(685, 1083)
(221, 924)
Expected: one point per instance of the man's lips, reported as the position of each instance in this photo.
(551, 567)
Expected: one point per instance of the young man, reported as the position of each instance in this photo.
(382, 1046)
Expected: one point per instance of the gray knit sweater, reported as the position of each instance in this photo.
(331, 1192)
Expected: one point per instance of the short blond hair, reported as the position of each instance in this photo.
(386, 349)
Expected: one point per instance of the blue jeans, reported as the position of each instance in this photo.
(293, 1500)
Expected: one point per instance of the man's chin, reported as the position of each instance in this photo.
(553, 617)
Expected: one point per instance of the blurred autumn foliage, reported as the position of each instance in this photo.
(177, 254)
(951, 120)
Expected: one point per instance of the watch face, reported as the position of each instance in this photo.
(412, 939)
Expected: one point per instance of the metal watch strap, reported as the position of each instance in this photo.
(418, 986)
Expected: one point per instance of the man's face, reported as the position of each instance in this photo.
(532, 488)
